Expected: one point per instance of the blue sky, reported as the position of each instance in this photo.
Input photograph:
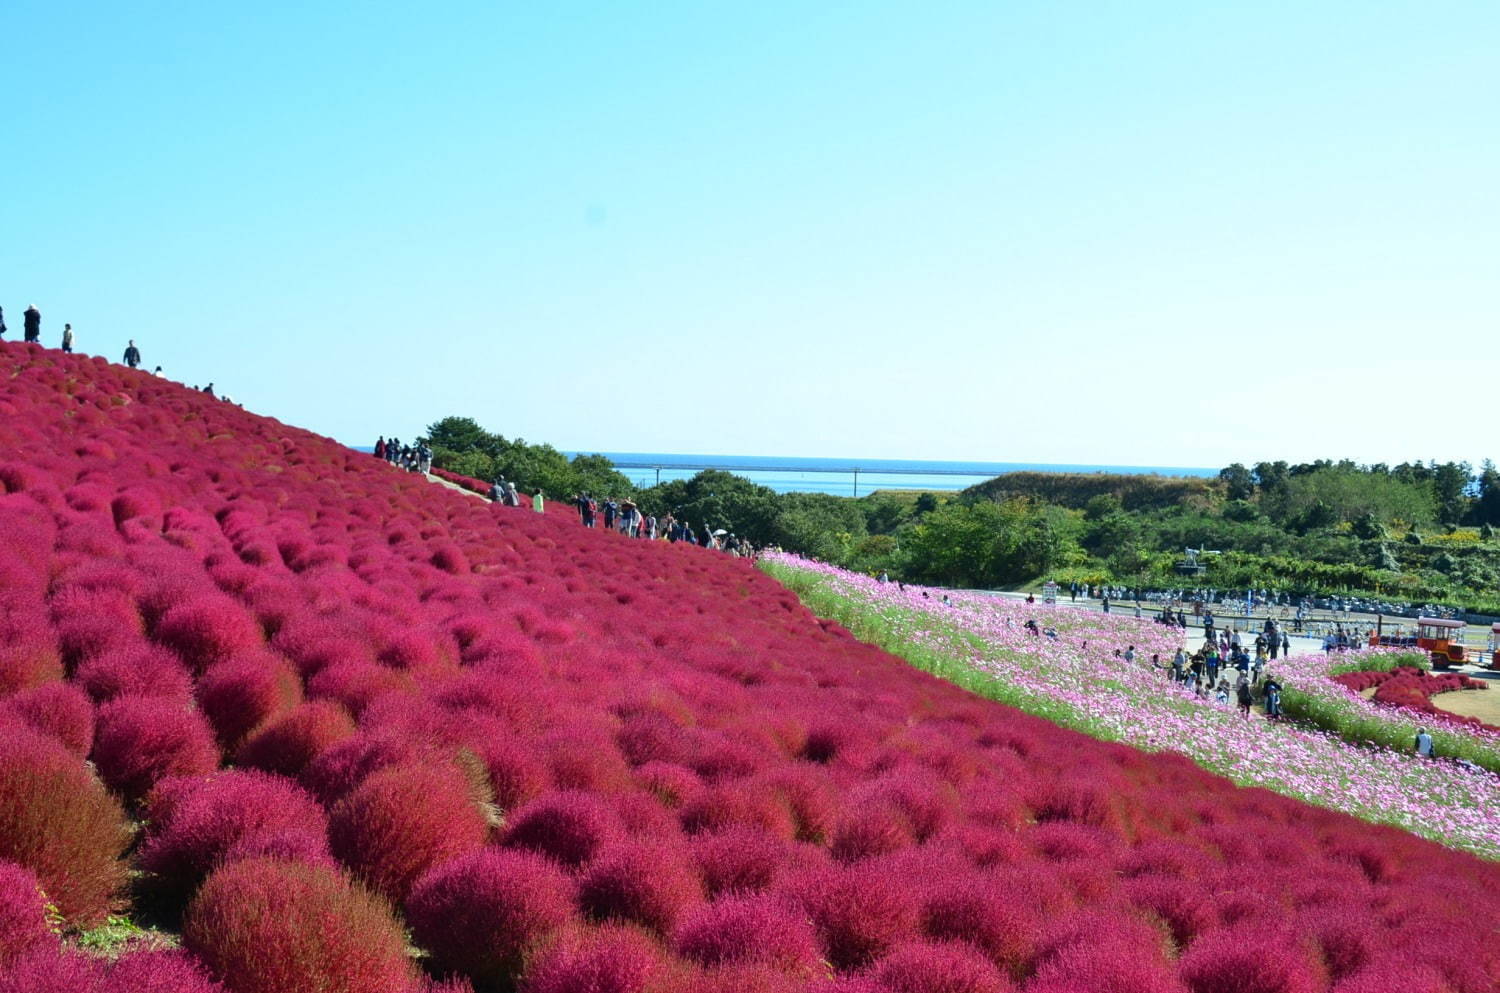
(1128, 233)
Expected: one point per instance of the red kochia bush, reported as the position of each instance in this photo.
(196, 823)
(159, 971)
(239, 696)
(485, 913)
(642, 883)
(599, 960)
(271, 926)
(403, 821)
(747, 929)
(938, 967)
(142, 740)
(61, 712)
(51, 970)
(57, 820)
(208, 630)
(290, 743)
(860, 913)
(23, 913)
(567, 825)
(137, 668)
(1255, 961)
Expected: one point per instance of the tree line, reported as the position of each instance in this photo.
(1418, 531)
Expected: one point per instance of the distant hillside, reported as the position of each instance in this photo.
(1074, 490)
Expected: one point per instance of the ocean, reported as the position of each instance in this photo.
(849, 476)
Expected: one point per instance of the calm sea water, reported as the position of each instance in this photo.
(839, 476)
(848, 477)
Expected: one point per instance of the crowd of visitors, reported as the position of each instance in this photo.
(411, 458)
(628, 519)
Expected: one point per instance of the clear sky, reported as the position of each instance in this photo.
(1124, 232)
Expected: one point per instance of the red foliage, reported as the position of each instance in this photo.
(400, 822)
(938, 967)
(23, 913)
(748, 930)
(1409, 688)
(287, 745)
(568, 826)
(269, 926)
(142, 740)
(197, 823)
(642, 883)
(860, 913)
(158, 971)
(606, 960)
(60, 711)
(136, 668)
(239, 696)
(57, 820)
(486, 913)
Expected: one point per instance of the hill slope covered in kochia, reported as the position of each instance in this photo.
(345, 702)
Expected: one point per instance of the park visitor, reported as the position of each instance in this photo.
(132, 354)
(1424, 744)
(67, 342)
(536, 502)
(31, 322)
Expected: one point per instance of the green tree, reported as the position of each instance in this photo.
(460, 435)
(1238, 483)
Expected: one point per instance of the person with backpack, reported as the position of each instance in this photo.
(31, 322)
(132, 354)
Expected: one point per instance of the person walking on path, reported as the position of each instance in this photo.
(31, 322)
(67, 342)
(1242, 694)
(132, 354)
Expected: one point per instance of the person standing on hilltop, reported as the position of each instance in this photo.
(67, 342)
(132, 354)
(3, 328)
(380, 447)
(31, 322)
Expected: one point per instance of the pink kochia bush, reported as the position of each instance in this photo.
(23, 913)
(269, 925)
(199, 822)
(328, 691)
(142, 740)
(485, 914)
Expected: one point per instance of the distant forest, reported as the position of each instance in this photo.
(1419, 531)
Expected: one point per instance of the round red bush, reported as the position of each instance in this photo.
(639, 882)
(270, 926)
(136, 669)
(987, 915)
(142, 740)
(239, 696)
(51, 970)
(599, 960)
(159, 971)
(753, 929)
(485, 913)
(401, 822)
(938, 967)
(1257, 961)
(739, 860)
(194, 824)
(288, 744)
(61, 712)
(860, 914)
(567, 825)
(208, 630)
(57, 820)
(23, 913)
